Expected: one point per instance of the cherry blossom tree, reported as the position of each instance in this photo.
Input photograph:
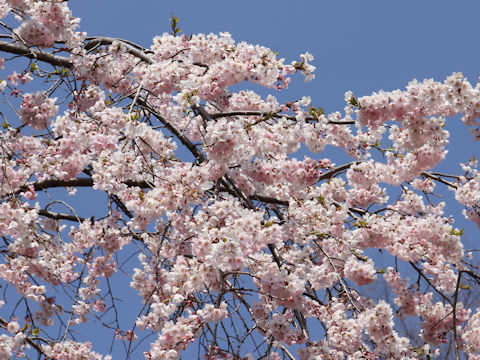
(198, 203)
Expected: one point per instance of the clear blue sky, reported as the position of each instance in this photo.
(363, 46)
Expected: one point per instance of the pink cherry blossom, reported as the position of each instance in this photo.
(37, 110)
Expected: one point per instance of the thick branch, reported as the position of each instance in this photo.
(77, 182)
(135, 51)
(203, 113)
(31, 53)
(55, 60)
(335, 171)
(60, 216)
(268, 199)
(274, 115)
(52, 183)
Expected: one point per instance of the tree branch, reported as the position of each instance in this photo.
(275, 115)
(76, 182)
(131, 47)
(439, 179)
(60, 216)
(55, 60)
(52, 183)
(185, 141)
(31, 53)
(333, 172)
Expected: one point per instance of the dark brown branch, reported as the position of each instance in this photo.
(107, 40)
(203, 113)
(60, 216)
(335, 171)
(135, 51)
(185, 141)
(446, 175)
(53, 183)
(275, 115)
(421, 274)
(268, 199)
(439, 179)
(77, 182)
(31, 53)
(331, 122)
(454, 313)
(472, 274)
(121, 205)
(55, 60)
(88, 182)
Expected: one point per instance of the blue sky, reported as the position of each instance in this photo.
(359, 46)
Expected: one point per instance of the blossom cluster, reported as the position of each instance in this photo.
(37, 109)
(47, 22)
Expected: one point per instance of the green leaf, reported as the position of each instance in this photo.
(358, 255)
(354, 102)
(458, 232)
(361, 224)
(173, 25)
(316, 112)
(269, 223)
(321, 200)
